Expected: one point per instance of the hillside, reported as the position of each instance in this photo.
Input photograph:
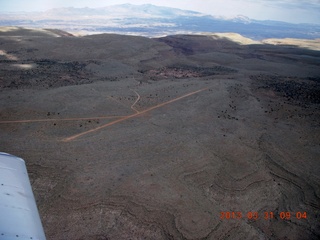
(209, 136)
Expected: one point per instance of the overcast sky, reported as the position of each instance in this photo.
(296, 11)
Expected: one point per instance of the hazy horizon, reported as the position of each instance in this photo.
(292, 11)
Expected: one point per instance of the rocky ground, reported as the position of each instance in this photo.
(181, 137)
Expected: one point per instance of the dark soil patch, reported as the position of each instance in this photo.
(296, 90)
(176, 71)
(47, 73)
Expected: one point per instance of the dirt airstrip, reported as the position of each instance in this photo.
(182, 137)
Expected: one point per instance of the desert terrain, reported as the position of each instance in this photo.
(210, 136)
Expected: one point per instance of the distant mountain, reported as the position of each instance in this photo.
(150, 20)
(241, 19)
(124, 10)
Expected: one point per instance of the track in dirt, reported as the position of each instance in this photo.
(137, 100)
(58, 119)
(120, 118)
(68, 139)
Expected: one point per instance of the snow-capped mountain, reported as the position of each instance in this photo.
(150, 20)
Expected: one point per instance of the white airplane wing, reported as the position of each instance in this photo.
(19, 217)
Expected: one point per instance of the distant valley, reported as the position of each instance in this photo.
(154, 21)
